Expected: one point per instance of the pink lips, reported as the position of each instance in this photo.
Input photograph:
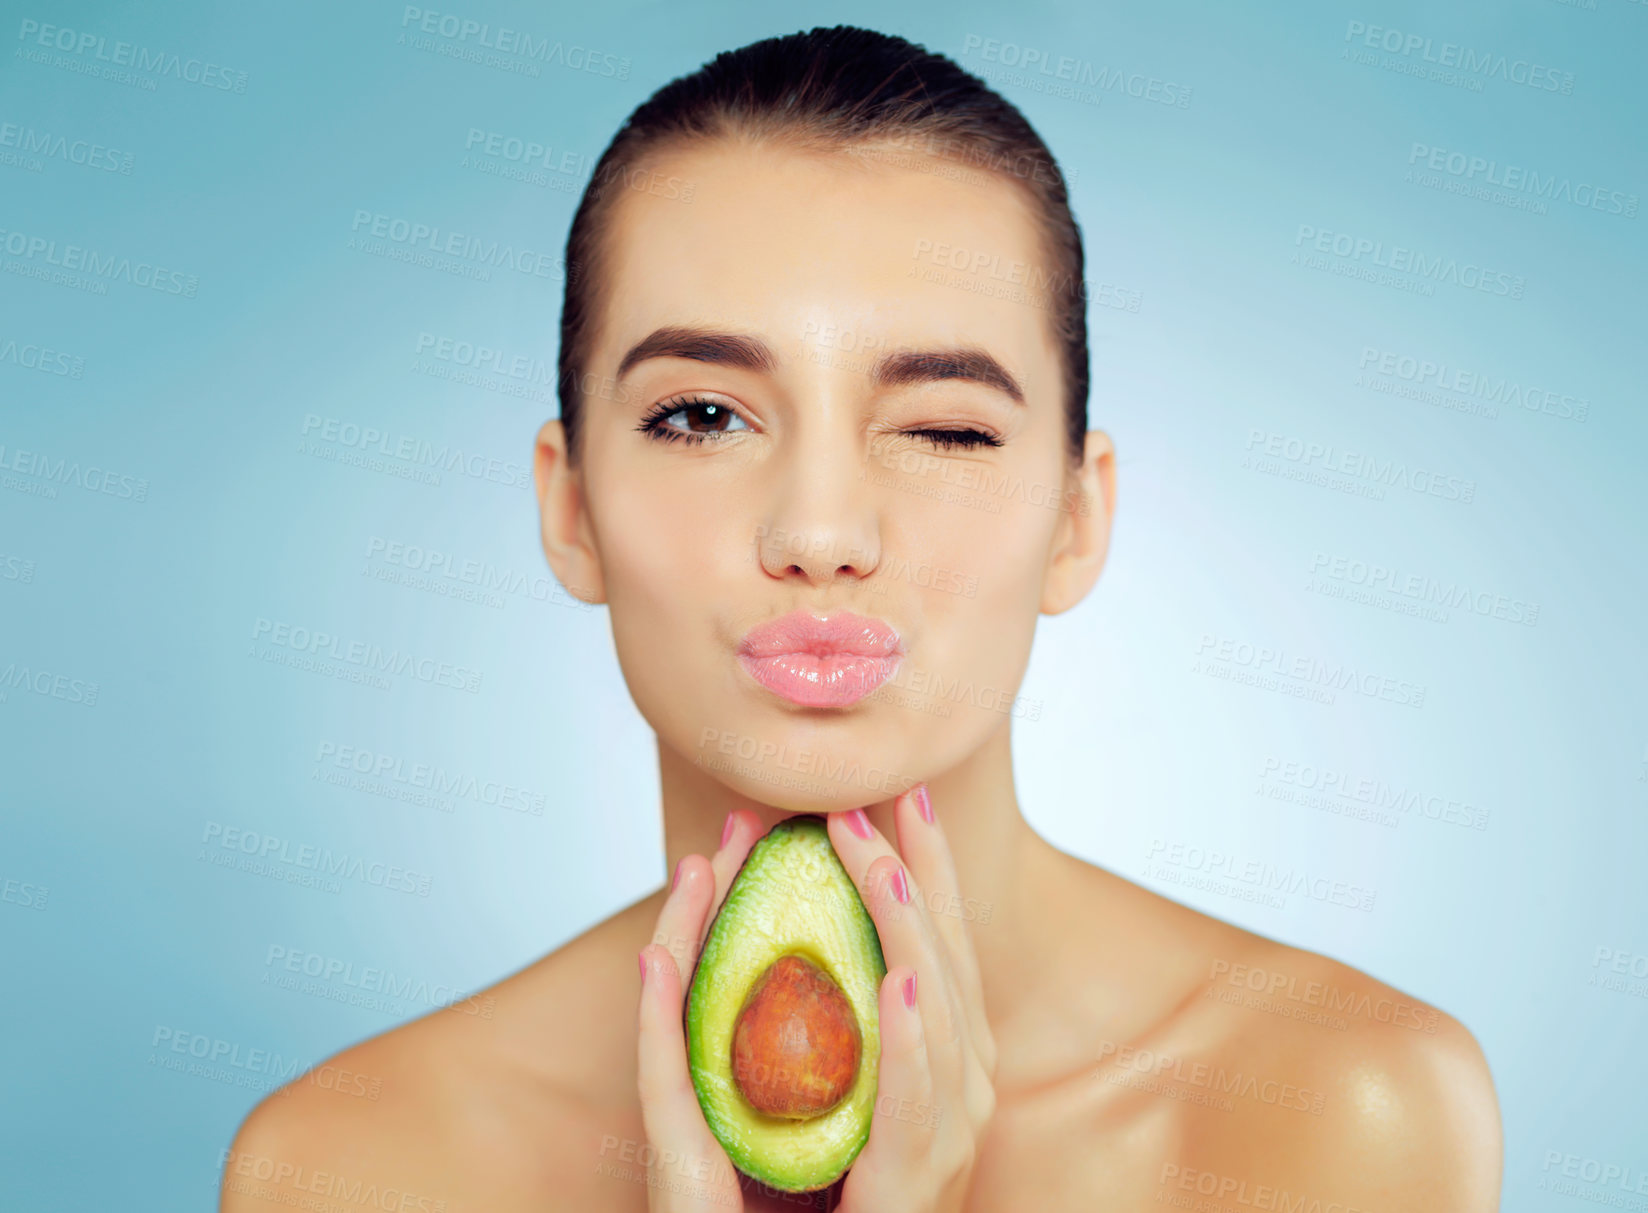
(821, 663)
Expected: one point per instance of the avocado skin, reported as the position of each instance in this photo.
(701, 1002)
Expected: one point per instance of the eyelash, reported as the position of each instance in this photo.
(652, 425)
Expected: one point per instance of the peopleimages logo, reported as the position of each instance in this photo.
(530, 153)
(460, 785)
(449, 572)
(279, 1179)
(1478, 170)
(1431, 591)
(488, 360)
(1081, 72)
(360, 984)
(127, 54)
(23, 894)
(1263, 665)
(1258, 874)
(49, 474)
(1475, 63)
(42, 358)
(106, 268)
(368, 657)
(1358, 1003)
(480, 35)
(309, 860)
(47, 683)
(30, 142)
(419, 455)
(1042, 285)
(1399, 259)
(214, 1050)
(16, 568)
(1209, 1077)
(1242, 1191)
(1595, 1171)
(1377, 794)
(1432, 372)
(427, 241)
(1374, 472)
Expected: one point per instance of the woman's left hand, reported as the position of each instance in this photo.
(935, 1091)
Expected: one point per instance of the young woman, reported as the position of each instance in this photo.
(824, 454)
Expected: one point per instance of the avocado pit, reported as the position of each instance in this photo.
(795, 1046)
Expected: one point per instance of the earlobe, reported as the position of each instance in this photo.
(1082, 539)
(562, 517)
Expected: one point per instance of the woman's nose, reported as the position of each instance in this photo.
(819, 553)
(825, 521)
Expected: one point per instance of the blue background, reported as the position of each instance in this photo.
(1245, 339)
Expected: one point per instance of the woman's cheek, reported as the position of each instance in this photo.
(993, 617)
(653, 567)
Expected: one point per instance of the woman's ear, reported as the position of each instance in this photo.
(563, 517)
(1082, 539)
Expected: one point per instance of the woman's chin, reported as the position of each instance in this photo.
(778, 803)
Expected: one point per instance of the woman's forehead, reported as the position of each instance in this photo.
(818, 207)
(794, 241)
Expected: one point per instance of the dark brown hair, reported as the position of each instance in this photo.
(834, 88)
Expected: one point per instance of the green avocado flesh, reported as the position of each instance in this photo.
(791, 897)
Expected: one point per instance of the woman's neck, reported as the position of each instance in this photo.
(1003, 868)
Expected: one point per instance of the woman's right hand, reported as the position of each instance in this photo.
(690, 1171)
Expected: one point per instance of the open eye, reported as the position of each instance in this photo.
(719, 417)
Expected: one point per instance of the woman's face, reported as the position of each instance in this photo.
(796, 467)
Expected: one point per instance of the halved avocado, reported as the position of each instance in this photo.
(791, 899)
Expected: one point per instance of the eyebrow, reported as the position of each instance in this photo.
(892, 369)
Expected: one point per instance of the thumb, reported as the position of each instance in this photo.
(687, 1169)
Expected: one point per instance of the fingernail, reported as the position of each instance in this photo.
(924, 804)
(910, 990)
(901, 886)
(642, 957)
(858, 823)
(726, 830)
(676, 879)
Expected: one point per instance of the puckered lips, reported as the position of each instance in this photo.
(821, 662)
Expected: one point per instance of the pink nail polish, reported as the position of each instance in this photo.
(859, 824)
(676, 879)
(910, 990)
(726, 830)
(901, 887)
(924, 804)
(642, 957)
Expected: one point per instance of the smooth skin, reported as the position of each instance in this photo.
(1086, 1043)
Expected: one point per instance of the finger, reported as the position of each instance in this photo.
(681, 919)
(741, 831)
(926, 851)
(682, 1143)
(893, 899)
(903, 1119)
(886, 1173)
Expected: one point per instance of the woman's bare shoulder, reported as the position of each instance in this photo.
(480, 1104)
(1393, 1098)
(1299, 1070)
